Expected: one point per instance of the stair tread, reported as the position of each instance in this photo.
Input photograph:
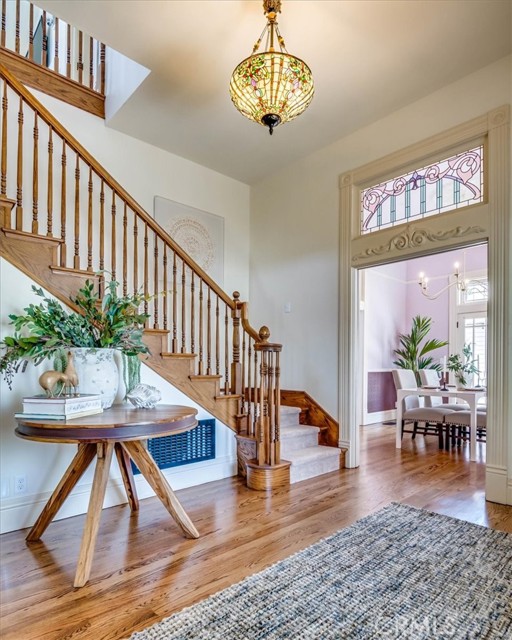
(312, 453)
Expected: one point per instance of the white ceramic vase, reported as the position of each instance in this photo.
(97, 373)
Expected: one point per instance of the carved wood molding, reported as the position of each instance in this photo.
(414, 237)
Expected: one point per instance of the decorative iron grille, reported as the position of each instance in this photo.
(196, 445)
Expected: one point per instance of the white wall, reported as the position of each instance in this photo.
(300, 203)
(144, 171)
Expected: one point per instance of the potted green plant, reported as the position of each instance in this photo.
(102, 326)
(462, 365)
(414, 349)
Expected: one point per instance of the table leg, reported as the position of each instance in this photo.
(123, 459)
(398, 435)
(472, 426)
(160, 486)
(74, 472)
(92, 522)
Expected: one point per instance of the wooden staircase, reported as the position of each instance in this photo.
(200, 339)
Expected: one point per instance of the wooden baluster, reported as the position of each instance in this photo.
(63, 207)
(125, 250)
(217, 336)
(250, 426)
(209, 334)
(89, 222)
(174, 304)
(56, 60)
(91, 62)
(255, 394)
(49, 191)
(68, 52)
(31, 32)
(183, 327)
(17, 28)
(19, 176)
(277, 370)
(270, 408)
(80, 61)
(146, 267)
(76, 257)
(236, 386)
(44, 41)
(3, 162)
(155, 283)
(102, 69)
(201, 341)
(4, 12)
(244, 346)
(135, 255)
(35, 177)
(192, 314)
(164, 295)
(102, 226)
(226, 350)
(113, 244)
(262, 412)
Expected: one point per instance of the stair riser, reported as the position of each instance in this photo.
(295, 443)
(313, 468)
(289, 419)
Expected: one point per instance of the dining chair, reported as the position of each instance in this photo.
(457, 427)
(413, 410)
(430, 378)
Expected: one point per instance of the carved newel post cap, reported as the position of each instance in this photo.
(264, 334)
(236, 295)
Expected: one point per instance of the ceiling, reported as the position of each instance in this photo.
(368, 57)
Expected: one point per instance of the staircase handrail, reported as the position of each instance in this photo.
(112, 182)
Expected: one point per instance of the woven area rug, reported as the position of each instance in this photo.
(399, 573)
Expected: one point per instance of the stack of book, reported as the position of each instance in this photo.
(60, 408)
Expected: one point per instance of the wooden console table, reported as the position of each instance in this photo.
(120, 429)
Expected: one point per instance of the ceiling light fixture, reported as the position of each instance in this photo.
(272, 86)
(458, 280)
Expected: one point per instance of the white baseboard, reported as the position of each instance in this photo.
(21, 512)
(497, 485)
(379, 416)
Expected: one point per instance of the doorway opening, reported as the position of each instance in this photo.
(450, 289)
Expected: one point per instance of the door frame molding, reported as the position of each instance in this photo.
(488, 222)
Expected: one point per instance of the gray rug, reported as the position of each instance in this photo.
(399, 573)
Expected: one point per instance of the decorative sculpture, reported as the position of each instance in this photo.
(69, 379)
(144, 396)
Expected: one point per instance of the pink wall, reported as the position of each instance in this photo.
(393, 298)
(438, 268)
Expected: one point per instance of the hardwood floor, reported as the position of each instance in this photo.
(143, 569)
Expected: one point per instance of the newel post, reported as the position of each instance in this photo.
(268, 435)
(236, 367)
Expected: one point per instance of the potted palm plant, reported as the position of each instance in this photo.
(463, 365)
(415, 347)
(102, 327)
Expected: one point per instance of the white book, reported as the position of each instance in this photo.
(56, 416)
(64, 406)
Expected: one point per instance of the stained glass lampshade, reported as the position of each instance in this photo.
(271, 87)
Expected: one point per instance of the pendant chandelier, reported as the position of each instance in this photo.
(458, 280)
(272, 86)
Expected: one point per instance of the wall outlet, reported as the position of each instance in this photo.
(20, 484)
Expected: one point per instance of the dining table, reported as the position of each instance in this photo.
(471, 396)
